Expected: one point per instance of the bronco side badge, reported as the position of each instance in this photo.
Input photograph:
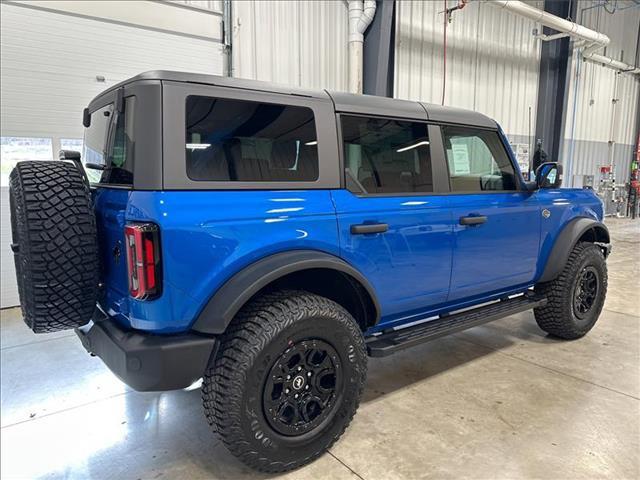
(546, 213)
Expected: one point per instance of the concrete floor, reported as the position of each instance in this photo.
(498, 401)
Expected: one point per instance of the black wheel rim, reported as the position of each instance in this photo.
(586, 292)
(302, 387)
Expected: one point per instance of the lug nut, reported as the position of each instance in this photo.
(308, 374)
(288, 377)
(295, 396)
(286, 390)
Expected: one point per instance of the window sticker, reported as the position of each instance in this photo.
(461, 165)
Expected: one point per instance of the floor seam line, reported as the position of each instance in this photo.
(37, 342)
(64, 410)
(621, 313)
(345, 465)
(552, 370)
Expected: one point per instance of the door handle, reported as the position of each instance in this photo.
(364, 228)
(472, 220)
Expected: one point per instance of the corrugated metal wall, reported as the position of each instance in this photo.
(492, 61)
(597, 119)
(290, 42)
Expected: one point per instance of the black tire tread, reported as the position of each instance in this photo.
(247, 335)
(55, 228)
(553, 317)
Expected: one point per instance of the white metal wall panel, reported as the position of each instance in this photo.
(212, 5)
(290, 42)
(596, 84)
(49, 64)
(492, 60)
(48, 67)
(594, 118)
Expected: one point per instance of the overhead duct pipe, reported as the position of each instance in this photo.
(587, 38)
(360, 17)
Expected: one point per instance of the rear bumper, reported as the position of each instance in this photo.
(144, 361)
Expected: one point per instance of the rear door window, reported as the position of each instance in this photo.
(386, 155)
(244, 141)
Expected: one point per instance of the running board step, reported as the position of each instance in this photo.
(391, 342)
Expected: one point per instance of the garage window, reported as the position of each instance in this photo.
(237, 140)
(74, 144)
(16, 149)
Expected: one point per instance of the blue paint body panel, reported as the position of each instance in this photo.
(426, 264)
(409, 265)
(206, 237)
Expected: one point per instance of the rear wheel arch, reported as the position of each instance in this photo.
(314, 271)
(582, 229)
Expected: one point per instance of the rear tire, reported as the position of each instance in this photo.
(576, 297)
(286, 380)
(55, 245)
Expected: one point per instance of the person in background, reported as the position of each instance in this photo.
(539, 157)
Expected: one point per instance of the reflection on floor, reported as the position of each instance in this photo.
(497, 401)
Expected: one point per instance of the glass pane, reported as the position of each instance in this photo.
(119, 161)
(95, 137)
(388, 156)
(15, 149)
(237, 140)
(120, 164)
(74, 144)
(477, 161)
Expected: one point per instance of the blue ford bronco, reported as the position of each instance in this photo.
(268, 239)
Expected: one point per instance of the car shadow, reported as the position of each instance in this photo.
(419, 363)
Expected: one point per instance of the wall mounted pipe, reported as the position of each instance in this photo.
(360, 17)
(587, 38)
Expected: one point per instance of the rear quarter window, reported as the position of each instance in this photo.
(109, 142)
(244, 141)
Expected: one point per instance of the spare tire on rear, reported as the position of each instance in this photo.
(54, 244)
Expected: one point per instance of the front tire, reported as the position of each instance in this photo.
(286, 380)
(576, 297)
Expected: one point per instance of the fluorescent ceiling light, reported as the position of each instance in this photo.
(415, 145)
(198, 146)
(314, 142)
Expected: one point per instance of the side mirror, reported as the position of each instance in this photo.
(549, 175)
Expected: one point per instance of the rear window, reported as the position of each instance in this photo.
(108, 142)
(237, 140)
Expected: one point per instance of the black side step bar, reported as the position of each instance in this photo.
(391, 342)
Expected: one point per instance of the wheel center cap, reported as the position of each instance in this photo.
(298, 382)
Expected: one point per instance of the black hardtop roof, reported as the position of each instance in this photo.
(344, 102)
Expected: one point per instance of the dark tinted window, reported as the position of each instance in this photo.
(477, 161)
(388, 156)
(236, 140)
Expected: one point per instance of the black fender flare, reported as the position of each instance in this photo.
(236, 291)
(567, 239)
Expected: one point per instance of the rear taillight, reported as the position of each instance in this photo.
(142, 242)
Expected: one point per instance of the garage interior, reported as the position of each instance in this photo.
(497, 401)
